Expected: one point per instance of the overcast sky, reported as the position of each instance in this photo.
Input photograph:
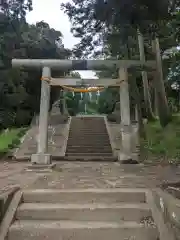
(49, 11)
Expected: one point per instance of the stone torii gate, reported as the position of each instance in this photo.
(42, 156)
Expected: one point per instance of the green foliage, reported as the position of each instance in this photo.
(114, 23)
(72, 103)
(173, 105)
(75, 75)
(19, 88)
(10, 139)
(16, 9)
(92, 107)
(107, 100)
(114, 117)
(162, 143)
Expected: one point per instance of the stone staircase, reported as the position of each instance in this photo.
(88, 138)
(51, 214)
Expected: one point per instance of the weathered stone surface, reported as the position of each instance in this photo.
(115, 116)
(57, 137)
(88, 137)
(73, 175)
(88, 175)
(40, 158)
(115, 133)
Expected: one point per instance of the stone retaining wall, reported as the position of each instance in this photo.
(58, 131)
(115, 130)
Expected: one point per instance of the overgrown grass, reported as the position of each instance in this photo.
(162, 144)
(9, 139)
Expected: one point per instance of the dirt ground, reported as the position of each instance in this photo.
(87, 175)
(14, 174)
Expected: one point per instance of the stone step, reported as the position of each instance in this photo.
(87, 118)
(85, 124)
(82, 196)
(88, 130)
(88, 144)
(89, 121)
(90, 135)
(54, 230)
(87, 158)
(92, 121)
(87, 139)
(86, 212)
(73, 158)
(88, 153)
(84, 136)
(88, 150)
(91, 154)
(99, 145)
(88, 126)
(82, 133)
(83, 151)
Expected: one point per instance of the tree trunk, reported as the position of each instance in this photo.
(155, 103)
(162, 104)
(136, 96)
(153, 97)
(61, 102)
(147, 96)
(141, 129)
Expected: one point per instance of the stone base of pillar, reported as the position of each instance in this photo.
(126, 156)
(41, 159)
(40, 168)
(125, 159)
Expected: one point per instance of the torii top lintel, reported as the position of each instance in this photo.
(81, 64)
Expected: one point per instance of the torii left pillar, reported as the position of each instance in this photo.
(42, 157)
(125, 155)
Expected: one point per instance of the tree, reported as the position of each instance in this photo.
(16, 9)
(92, 20)
(20, 88)
(75, 75)
(73, 101)
(111, 26)
(147, 96)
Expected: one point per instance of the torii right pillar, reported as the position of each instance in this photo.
(125, 155)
